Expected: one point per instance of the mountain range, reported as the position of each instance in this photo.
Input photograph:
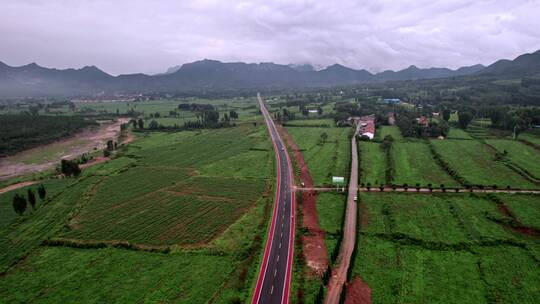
(34, 80)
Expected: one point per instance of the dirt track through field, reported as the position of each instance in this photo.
(85, 141)
(17, 186)
(339, 273)
(412, 190)
(314, 248)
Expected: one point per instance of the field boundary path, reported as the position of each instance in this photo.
(17, 186)
(339, 273)
(413, 190)
(274, 279)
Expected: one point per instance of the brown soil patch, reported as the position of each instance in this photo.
(314, 248)
(358, 292)
(17, 186)
(364, 217)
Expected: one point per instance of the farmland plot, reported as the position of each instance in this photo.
(22, 236)
(414, 163)
(409, 274)
(531, 137)
(372, 163)
(475, 162)
(324, 158)
(452, 248)
(526, 208)
(8, 215)
(393, 131)
(525, 157)
(61, 275)
(456, 133)
(331, 208)
(159, 204)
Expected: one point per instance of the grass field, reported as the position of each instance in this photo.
(414, 163)
(56, 274)
(312, 122)
(456, 133)
(525, 157)
(324, 158)
(393, 131)
(372, 163)
(22, 236)
(8, 215)
(443, 249)
(533, 137)
(331, 208)
(475, 162)
(526, 208)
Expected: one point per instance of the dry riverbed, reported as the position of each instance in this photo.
(47, 156)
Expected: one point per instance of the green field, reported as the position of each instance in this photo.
(202, 192)
(23, 235)
(525, 157)
(414, 163)
(312, 122)
(526, 208)
(393, 131)
(166, 193)
(456, 133)
(532, 137)
(324, 158)
(451, 248)
(372, 163)
(56, 275)
(7, 215)
(331, 208)
(475, 162)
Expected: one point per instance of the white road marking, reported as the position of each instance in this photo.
(272, 290)
(280, 245)
(277, 258)
(275, 272)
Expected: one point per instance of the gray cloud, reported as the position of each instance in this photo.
(126, 36)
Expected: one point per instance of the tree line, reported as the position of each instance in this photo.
(20, 132)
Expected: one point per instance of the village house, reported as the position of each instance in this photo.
(367, 126)
(423, 121)
(391, 118)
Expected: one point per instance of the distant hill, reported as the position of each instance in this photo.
(34, 80)
(523, 65)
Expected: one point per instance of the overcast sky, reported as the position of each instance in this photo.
(128, 36)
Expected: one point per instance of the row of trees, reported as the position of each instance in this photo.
(20, 202)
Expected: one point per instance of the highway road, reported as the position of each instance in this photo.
(339, 275)
(274, 278)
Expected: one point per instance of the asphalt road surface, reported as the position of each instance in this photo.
(274, 278)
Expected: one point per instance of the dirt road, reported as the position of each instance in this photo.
(339, 273)
(413, 190)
